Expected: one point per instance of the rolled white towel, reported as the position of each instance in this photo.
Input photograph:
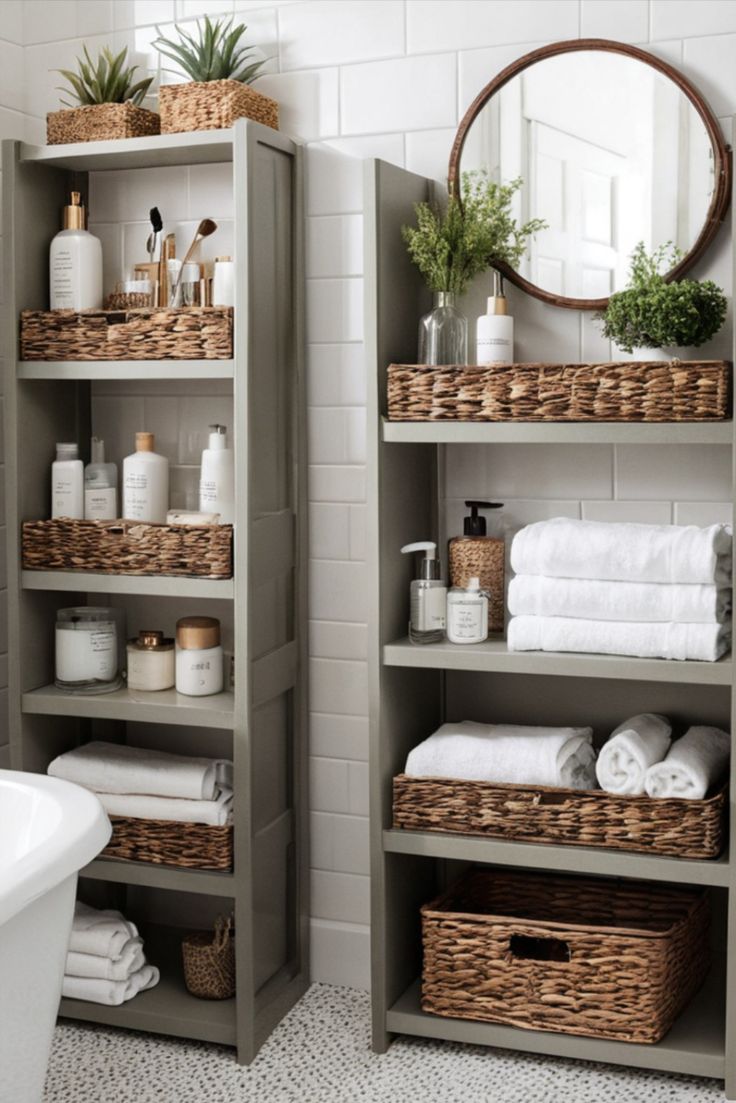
(592, 599)
(694, 763)
(632, 748)
(704, 642)
(507, 753)
(623, 551)
(214, 813)
(129, 961)
(110, 992)
(104, 933)
(117, 768)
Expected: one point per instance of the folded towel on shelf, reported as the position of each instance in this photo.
(214, 813)
(507, 753)
(130, 960)
(694, 763)
(117, 768)
(593, 599)
(104, 933)
(110, 992)
(632, 748)
(705, 642)
(623, 551)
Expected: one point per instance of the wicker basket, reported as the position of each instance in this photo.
(209, 961)
(101, 122)
(171, 843)
(128, 547)
(654, 390)
(573, 817)
(213, 105)
(190, 333)
(600, 958)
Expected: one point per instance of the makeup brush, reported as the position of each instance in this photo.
(158, 226)
(205, 228)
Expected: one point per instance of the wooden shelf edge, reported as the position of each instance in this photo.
(207, 882)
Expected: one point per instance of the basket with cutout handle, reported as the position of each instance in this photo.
(209, 961)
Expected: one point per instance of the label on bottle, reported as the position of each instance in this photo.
(428, 608)
(62, 279)
(208, 496)
(466, 619)
(136, 497)
(64, 491)
(87, 656)
(494, 350)
(101, 505)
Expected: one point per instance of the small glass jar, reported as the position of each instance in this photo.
(443, 333)
(199, 657)
(151, 662)
(88, 649)
(467, 613)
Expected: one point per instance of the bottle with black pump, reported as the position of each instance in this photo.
(476, 554)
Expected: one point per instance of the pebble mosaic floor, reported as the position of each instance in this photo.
(320, 1053)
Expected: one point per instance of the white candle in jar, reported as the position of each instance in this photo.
(86, 647)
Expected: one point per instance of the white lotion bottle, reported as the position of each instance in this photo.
(75, 263)
(217, 479)
(145, 482)
(494, 332)
(100, 485)
(67, 483)
(428, 596)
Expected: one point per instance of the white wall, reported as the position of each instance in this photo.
(391, 78)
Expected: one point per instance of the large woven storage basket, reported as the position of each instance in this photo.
(213, 105)
(573, 817)
(100, 122)
(170, 843)
(128, 547)
(656, 390)
(601, 958)
(190, 333)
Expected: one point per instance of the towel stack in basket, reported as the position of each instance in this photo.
(105, 962)
(654, 591)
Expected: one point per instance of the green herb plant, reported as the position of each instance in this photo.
(215, 54)
(452, 244)
(106, 80)
(652, 313)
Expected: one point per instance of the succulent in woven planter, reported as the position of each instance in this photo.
(221, 69)
(108, 101)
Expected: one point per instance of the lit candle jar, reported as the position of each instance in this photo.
(87, 649)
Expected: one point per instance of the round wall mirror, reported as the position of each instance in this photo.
(613, 146)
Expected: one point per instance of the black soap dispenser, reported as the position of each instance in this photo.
(475, 554)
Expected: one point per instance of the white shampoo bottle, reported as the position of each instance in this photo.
(67, 483)
(100, 486)
(75, 263)
(494, 334)
(217, 480)
(145, 482)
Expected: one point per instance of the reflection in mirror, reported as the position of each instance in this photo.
(611, 152)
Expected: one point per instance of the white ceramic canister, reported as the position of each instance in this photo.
(223, 282)
(467, 613)
(199, 658)
(87, 649)
(151, 664)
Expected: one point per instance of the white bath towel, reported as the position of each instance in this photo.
(624, 552)
(117, 768)
(591, 599)
(694, 763)
(215, 813)
(632, 748)
(104, 933)
(512, 753)
(129, 961)
(110, 992)
(706, 642)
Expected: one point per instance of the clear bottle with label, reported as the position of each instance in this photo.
(217, 479)
(494, 332)
(100, 485)
(75, 263)
(145, 482)
(467, 613)
(67, 483)
(428, 596)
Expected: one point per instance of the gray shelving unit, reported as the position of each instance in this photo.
(262, 722)
(414, 689)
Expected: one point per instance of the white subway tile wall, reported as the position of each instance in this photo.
(364, 78)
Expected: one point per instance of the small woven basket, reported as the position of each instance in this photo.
(213, 105)
(102, 122)
(209, 961)
(599, 958)
(171, 843)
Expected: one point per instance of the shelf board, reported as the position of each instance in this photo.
(530, 432)
(118, 871)
(165, 707)
(168, 1008)
(694, 1046)
(560, 858)
(198, 148)
(91, 582)
(172, 370)
(495, 657)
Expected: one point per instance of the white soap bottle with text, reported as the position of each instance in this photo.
(494, 333)
(145, 482)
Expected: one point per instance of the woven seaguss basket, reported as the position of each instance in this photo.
(599, 958)
(209, 961)
(573, 817)
(651, 390)
(100, 122)
(213, 105)
(171, 843)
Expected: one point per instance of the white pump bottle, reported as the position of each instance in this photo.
(217, 479)
(428, 595)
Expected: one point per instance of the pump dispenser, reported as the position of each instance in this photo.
(494, 334)
(75, 262)
(217, 478)
(428, 594)
(476, 554)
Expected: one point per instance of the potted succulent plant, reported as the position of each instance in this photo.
(221, 71)
(108, 102)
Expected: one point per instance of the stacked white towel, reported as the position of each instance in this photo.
(105, 962)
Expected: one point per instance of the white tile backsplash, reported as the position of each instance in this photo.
(339, 736)
(518, 471)
(338, 590)
(328, 785)
(703, 513)
(344, 897)
(333, 640)
(321, 32)
(645, 513)
(336, 375)
(621, 20)
(329, 530)
(338, 686)
(709, 64)
(648, 471)
(462, 24)
(340, 953)
(335, 310)
(308, 101)
(334, 245)
(413, 93)
(683, 19)
(428, 152)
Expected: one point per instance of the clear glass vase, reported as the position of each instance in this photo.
(443, 333)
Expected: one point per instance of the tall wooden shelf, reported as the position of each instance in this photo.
(263, 721)
(414, 689)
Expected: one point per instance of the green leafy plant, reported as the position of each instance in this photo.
(216, 53)
(453, 244)
(652, 313)
(106, 80)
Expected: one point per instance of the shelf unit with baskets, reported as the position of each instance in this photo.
(261, 721)
(412, 690)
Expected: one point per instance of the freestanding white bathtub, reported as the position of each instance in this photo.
(49, 829)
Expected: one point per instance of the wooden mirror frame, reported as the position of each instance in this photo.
(721, 154)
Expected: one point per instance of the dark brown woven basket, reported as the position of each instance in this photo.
(209, 961)
(647, 390)
(600, 958)
(100, 122)
(128, 547)
(573, 817)
(171, 843)
(149, 333)
(213, 105)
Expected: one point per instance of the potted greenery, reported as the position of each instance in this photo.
(653, 313)
(220, 72)
(108, 102)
